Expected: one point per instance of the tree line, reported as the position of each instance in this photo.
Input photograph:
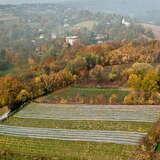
(132, 63)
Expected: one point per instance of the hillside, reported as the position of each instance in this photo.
(89, 82)
(106, 64)
(148, 12)
(79, 80)
(24, 27)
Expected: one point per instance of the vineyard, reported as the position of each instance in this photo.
(118, 137)
(79, 131)
(80, 125)
(65, 150)
(91, 112)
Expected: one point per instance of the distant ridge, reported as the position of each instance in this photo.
(29, 1)
(121, 6)
(145, 10)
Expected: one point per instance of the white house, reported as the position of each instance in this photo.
(41, 36)
(99, 38)
(124, 22)
(72, 40)
(53, 36)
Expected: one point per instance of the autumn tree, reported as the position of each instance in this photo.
(97, 73)
(10, 87)
(113, 99)
(140, 69)
(77, 65)
(92, 60)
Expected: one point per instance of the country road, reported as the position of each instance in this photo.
(91, 112)
(118, 137)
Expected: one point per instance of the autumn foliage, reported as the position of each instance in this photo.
(110, 63)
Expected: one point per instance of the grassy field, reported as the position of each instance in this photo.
(61, 150)
(80, 125)
(71, 92)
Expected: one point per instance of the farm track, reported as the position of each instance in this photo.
(91, 112)
(118, 137)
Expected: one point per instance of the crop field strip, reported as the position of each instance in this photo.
(91, 112)
(88, 114)
(118, 137)
(79, 125)
(65, 150)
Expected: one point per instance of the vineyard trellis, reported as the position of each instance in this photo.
(88, 112)
(119, 137)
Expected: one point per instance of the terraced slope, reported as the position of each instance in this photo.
(118, 137)
(91, 112)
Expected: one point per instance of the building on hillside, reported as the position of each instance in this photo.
(99, 38)
(53, 36)
(72, 40)
(124, 22)
(66, 25)
(41, 36)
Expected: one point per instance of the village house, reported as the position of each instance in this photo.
(72, 40)
(124, 22)
(99, 39)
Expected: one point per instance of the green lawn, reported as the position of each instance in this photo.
(63, 150)
(71, 92)
(81, 125)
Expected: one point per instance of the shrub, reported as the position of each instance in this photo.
(113, 99)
